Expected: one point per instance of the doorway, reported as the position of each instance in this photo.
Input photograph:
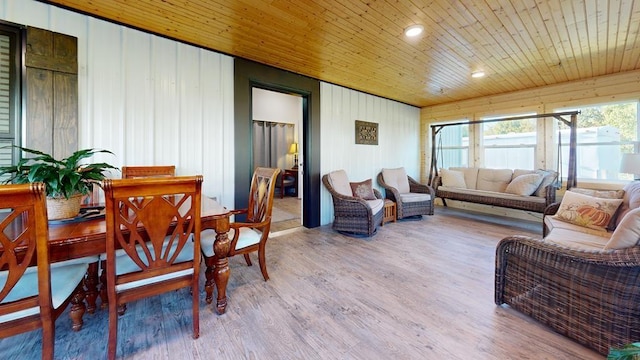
(249, 74)
(277, 136)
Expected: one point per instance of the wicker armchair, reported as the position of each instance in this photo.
(591, 297)
(352, 215)
(406, 204)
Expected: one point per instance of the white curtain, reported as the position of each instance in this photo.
(271, 141)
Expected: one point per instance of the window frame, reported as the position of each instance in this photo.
(17, 86)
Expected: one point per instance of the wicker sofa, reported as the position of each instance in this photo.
(581, 281)
(494, 187)
(353, 215)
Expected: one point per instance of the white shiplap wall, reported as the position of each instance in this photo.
(148, 99)
(398, 138)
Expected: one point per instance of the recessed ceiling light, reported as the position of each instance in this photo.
(477, 74)
(413, 30)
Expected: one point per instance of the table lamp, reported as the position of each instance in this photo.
(293, 149)
(630, 164)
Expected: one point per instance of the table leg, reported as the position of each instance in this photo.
(221, 270)
(91, 283)
(77, 308)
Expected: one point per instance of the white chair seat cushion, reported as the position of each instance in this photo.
(248, 237)
(414, 197)
(125, 265)
(65, 277)
(582, 241)
(375, 205)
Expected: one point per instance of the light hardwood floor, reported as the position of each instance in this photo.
(415, 290)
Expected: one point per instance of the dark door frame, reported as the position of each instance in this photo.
(249, 74)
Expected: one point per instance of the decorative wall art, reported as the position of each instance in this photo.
(366, 133)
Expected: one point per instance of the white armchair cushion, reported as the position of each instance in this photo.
(414, 197)
(375, 205)
(340, 182)
(396, 178)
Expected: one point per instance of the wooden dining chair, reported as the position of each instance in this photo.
(132, 172)
(33, 292)
(248, 236)
(153, 242)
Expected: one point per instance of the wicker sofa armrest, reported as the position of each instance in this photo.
(572, 290)
(416, 187)
(551, 209)
(550, 194)
(437, 181)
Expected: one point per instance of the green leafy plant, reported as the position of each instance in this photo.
(62, 178)
(628, 352)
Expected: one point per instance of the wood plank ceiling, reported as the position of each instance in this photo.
(520, 44)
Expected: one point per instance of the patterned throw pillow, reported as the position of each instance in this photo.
(587, 211)
(363, 190)
(524, 185)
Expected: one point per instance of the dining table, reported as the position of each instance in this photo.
(82, 237)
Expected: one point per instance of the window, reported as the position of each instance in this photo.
(604, 132)
(10, 91)
(509, 144)
(453, 146)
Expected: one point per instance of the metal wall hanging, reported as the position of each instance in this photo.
(366, 133)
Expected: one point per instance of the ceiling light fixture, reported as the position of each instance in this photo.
(413, 30)
(477, 74)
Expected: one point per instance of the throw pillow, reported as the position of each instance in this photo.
(363, 190)
(452, 178)
(524, 185)
(627, 233)
(631, 199)
(549, 177)
(587, 211)
(605, 194)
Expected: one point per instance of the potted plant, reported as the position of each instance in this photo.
(628, 352)
(66, 180)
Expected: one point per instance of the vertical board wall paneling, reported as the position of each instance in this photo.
(132, 84)
(106, 91)
(398, 137)
(166, 100)
(138, 117)
(189, 152)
